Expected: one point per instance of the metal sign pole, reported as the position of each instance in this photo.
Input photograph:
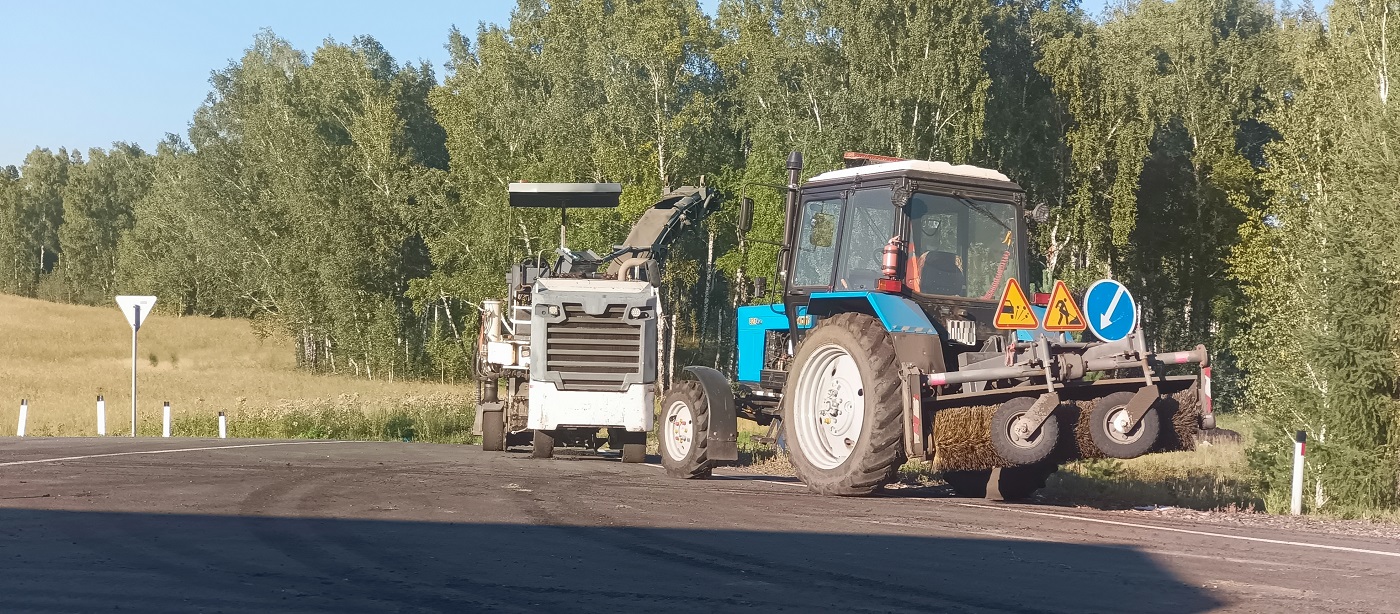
(135, 325)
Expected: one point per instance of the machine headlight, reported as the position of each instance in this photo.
(554, 310)
(636, 312)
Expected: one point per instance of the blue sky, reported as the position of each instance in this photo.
(85, 73)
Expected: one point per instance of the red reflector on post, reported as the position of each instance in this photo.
(889, 285)
(1040, 299)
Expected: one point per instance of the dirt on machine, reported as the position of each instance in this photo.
(902, 330)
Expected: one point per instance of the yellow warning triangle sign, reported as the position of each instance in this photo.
(1014, 311)
(1063, 313)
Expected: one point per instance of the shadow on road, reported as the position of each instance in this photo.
(90, 561)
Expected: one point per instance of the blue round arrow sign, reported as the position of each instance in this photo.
(1111, 310)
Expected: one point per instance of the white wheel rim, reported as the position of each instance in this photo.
(678, 431)
(828, 407)
(1116, 422)
(1021, 434)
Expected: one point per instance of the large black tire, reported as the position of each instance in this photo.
(544, 445)
(874, 457)
(695, 462)
(1022, 448)
(493, 431)
(1003, 484)
(1136, 442)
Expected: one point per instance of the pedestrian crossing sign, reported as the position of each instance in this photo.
(1014, 312)
(1063, 313)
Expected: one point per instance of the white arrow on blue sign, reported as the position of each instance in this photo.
(1111, 310)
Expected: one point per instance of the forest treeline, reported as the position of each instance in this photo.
(1230, 160)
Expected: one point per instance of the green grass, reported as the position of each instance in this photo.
(60, 357)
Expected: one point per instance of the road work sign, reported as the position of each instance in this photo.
(1063, 315)
(1110, 310)
(1014, 312)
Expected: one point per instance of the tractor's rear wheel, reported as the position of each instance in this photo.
(683, 431)
(842, 407)
(1108, 427)
(493, 431)
(1017, 440)
(544, 445)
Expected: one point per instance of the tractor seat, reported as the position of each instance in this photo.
(941, 275)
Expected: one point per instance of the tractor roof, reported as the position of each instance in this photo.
(916, 166)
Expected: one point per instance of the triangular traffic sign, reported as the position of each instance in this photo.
(1014, 311)
(1063, 314)
(136, 308)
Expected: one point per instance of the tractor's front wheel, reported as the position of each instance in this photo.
(683, 429)
(841, 407)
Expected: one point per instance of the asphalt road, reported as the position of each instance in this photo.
(224, 526)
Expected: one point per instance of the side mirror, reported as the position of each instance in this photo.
(760, 286)
(1040, 214)
(745, 215)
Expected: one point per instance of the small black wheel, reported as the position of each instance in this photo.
(493, 431)
(1107, 422)
(544, 445)
(632, 444)
(1016, 440)
(683, 431)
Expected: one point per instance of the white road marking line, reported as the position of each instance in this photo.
(246, 445)
(1176, 530)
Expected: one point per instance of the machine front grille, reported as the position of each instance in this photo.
(593, 352)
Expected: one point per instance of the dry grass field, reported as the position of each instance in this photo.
(61, 357)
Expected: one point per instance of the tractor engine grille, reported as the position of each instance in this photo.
(593, 352)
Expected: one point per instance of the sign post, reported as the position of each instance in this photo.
(135, 308)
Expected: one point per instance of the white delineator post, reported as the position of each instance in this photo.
(133, 307)
(165, 423)
(101, 416)
(1300, 444)
(23, 416)
(223, 426)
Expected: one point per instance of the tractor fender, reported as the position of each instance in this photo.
(916, 339)
(722, 440)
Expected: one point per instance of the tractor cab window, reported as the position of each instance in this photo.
(869, 226)
(816, 242)
(961, 247)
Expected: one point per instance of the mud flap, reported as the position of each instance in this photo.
(722, 442)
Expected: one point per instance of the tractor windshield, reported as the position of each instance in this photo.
(961, 247)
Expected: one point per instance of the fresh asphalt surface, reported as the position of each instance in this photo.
(100, 525)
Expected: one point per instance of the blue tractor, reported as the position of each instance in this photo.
(883, 348)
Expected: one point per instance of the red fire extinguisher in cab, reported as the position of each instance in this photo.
(890, 258)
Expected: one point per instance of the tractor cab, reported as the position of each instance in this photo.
(925, 246)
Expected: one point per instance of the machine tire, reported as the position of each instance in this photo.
(1014, 483)
(493, 431)
(847, 344)
(692, 460)
(544, 445)
(632, 445)
(1030, 449)
(1120, 445)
